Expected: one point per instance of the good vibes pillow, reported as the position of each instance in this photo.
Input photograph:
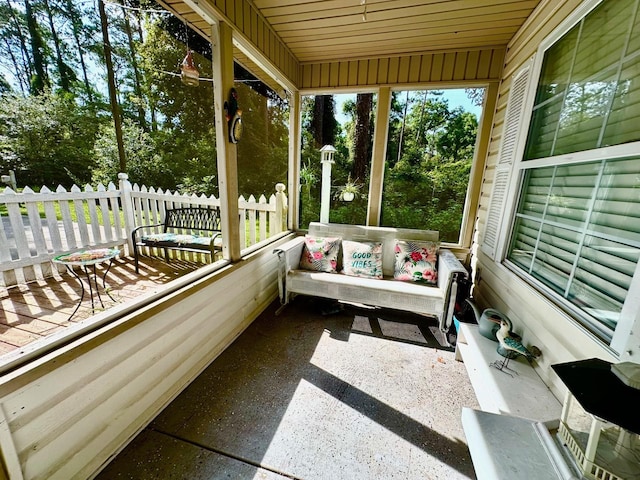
(362, 259)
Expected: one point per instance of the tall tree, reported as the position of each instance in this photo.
(40, 80)
(111, 81)
(75, 19)
(25, 70)
(64, 72)
(133, 56)
(362, 136)
(324, 124)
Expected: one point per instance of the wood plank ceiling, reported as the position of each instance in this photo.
(328, 30)
(317, 31)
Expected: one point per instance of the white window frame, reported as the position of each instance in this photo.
(630, 314)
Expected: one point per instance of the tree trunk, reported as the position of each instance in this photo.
(23, 87)
(24, 51)
(111, 80)
(39, 80)
(324, 121)
(63, 71)
(404, 120)
(76, 27)
(362, 136)
(137, 90)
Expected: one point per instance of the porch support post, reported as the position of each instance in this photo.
(294, 161)
(221, 43)
(380, 133)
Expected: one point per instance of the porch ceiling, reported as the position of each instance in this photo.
(318, 31)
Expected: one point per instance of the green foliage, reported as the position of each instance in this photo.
(47, 139)
(426, 183)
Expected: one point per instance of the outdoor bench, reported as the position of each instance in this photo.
(434, 300)
(189, 229)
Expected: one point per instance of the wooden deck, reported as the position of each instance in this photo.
(35, 310)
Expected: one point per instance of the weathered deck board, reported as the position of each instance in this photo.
(29, 312)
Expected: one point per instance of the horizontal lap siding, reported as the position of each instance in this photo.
(464, 66)
(68, 415)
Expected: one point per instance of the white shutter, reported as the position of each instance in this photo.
(508, 150)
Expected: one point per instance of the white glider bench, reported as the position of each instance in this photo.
(437, 300)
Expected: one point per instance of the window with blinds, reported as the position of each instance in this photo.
(577, 226)
(578, 232)
(588, 94)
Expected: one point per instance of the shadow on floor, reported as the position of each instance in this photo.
(359, 394)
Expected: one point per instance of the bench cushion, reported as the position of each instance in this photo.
(196, 242)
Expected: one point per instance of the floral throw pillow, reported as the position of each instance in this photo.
(362, 259)
(416, 261)
(320, 254)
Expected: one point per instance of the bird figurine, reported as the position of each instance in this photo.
(511, 344)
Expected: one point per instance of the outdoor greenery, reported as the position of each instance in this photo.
(60, 87)
(429, 156)
(91, 89)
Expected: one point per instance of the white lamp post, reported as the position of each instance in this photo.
(325, 198)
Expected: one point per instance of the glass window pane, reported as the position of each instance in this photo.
(534, 198)
(616, 212)
(571, 193)
(344, 121)
(622, 124)
(542, 132)
(523, 243)
(263, 152)
(554, 77)
(554, 257)
(602, 38)
(634, 41)
(430, 149)
(583, 113)
(602, 279)
(578, 82)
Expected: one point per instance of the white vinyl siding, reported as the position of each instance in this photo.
(576, 232)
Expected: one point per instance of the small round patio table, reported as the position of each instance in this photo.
(87, 260)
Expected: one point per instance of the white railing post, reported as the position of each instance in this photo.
(281, 208)
(127, 208)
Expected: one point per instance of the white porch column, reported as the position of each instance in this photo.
(380, 135)
(221, 43)
(295, 141)
(325, 198)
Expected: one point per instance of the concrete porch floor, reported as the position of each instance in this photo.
(359, 394)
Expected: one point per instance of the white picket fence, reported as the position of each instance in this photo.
(62, 221)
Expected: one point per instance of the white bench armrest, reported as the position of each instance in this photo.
(289, 254)
(449, 270)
